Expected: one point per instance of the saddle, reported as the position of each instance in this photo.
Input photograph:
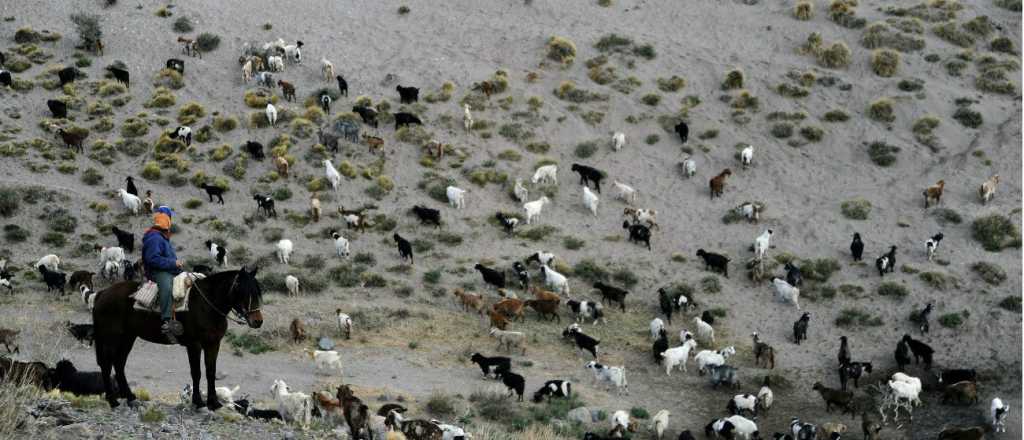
(147, 297)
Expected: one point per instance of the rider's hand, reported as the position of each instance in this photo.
(179, 264)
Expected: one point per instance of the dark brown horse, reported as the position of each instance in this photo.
(117, 324)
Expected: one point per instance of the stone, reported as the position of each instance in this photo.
(581, 414)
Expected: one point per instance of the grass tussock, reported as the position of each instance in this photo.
(804, 10)
(892, 290)
(734, 79)
(836, 56)
(881, 110)
(995, 232)
(561, 49)
(882, 154)
(885, 62)
(855, 317)
(856, 209)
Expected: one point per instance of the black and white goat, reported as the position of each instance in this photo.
(184, 133)
(932, 244)
(553, 388)
(218, 252)
(508, 222)
(524, 276)
(585, 310)
(265, 204)
(886, 262)
(922, 317)
(580, 340)
(491, 365)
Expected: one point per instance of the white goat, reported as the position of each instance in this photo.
(271, 114)
(988, 189)
(742, 426)
(751, 211)
(467, 117)
(622, 419)
(590, 200)
(534, 208)
(613, 376)
(292, 284)
(226, 395)
(332, 174)
(999, 411)
(520, 191)
(456, 197)
(786, 293)
(743, 402)
(626, 192)
(284, 250)
(555, 280)
(708, 358)
(762, 243)
(546, 174)
(689, 167)
(294, 407)
(905, 391)
(294, 52)
(659, 423)
(544, 258)
(327, 69)
(765, 397)
(131, 201)
(747, 156)
(618, 140)
(677, 356)
(325, 359)
(276, 64)
(509, 339)
(685, 335)
(340, 245)
(344, 324)
(657, 325)
(705, 333)
(913, 382)
(51, 261)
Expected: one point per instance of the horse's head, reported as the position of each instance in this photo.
(247, 297)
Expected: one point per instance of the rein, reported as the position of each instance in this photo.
(226, 315)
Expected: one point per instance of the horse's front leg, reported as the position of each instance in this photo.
(210, 357)
(197, 373)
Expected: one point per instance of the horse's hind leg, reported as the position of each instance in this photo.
(197, 374)
(104, 356)
(119, 363)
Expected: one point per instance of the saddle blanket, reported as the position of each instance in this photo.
(147, 297)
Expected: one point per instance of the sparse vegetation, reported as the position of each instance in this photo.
(885, 62)
(88, 28)
(893, 290)
(995, 232)
(853, 317)
(856, 209)
(733, 80)
(953, 320)
(207, 42)
(183, 25)
(881, 110)
(671, 85)
(835, 56)
(836, 116)
(804, 10)
(882, 154)
(562, 50)
(968, 117)
(1011, 303)
(990, 273)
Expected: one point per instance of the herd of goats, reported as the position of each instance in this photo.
(901, 392)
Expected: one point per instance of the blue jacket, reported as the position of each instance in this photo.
(158, 254)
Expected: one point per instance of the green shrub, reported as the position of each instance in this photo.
(60, 220)
(183, 25)
(153, 415)
(782, 130)
(613, 43)
(885, 62)
(937, 280)
(590, 271)
(253, 343)
(967, 117)
(950, 32)
(15, 234)
(835, 56)
(856, 209)
(402, 10)
(88, 28)
(652, 139)
(881, 110)
(573, 243)
(893, 290)
(207, 42)
(670, 85)
(990, 273)
(651, 99)
(586, 149)
(812, 133)
(836, 116)
(857, 317)
(151, 171)
(1011, 303)
(538, 233)
(953, 320)
(791, 91)
(55, 239)
(561, 49)
(882, 154)
(733, 80)
(1002, 44)
(995, 232)
(440, 405)
(162, 98)
(710, 284)
(947, 216)
(10, 200)
(92, 176)
(804, 10)
(190, 113)
(820, 270)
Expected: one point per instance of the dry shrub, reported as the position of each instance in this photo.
(880, 35)
(835, 56)
(950, 32)
(561, 49)
(162, 98)
(190, 113)
(881, 110)
(169, 78)
(804, 10)
(885, 62)
(1002, 44)
(733, 80)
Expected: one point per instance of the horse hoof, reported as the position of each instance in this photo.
(213, 406)
(113, 403)
(134, 404)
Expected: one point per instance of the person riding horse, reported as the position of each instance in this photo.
(161, 265)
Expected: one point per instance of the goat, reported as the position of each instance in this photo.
(125, 239)
(184, 133)
(800, 328)
(803, 431)
(742, 402)
(341, 246)
(793, 275)
(533, 209)
(367, 114)
(255, 150)
(120, 75)
(747, 156)
(765, 396)
(72, 140)
(408, 95)
(844, 351)
(660, 345)
(292, 284)
(648, 216)
(265, 204)
(613, 376)
(7, 280)
(922, 352)
(857, 247)
(275, 63)
(326, 69)
(218, 252)
(314, 207)
(589, 174)
(763, 350)
(714, 262)
(922, 317)
(467, 118)
(762, 243)
(947, 377)
(5, 76)
(580, 340)
(69, 379)
(325, 103)
(284, 251)
(520, 191)
(934, 192)
(553, 388)
(618, 140)
(637, 233)
(491, 365)
(786, 293)
(832, 430)
(514, 383)
(688, 167)
(612, 294)
(373, 143)
(293, 406)
(547, 174)
(324, 359)
(932, 244)
(298, 330)
(902, 354)
(724, 374)
(212, 190)
(705, 333)
(682, 130)
(677, 356)
(456, 197)
(282, 166)
(54, 280)
(427, 215)
(130, 201)
(839, 398)
(406, 119)
(67, 75)
(988, 189)
(853, 370)
(717, 183)
(287, 89)
(999, 411)
(590, 200)
(708, 358)
(509, 339)
(7, 337)
(469, 300)
(342, 85)
(657, 328)
(669, 303)
(189, 47)
(555, 280)
(404, 248)
(961, 392)
(271, 112)
(751, 211)
(246, 409)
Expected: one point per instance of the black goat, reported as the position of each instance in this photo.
(408, 95)
(714, 261)
(406, 119)
(491, 276)
(800, 328)
(922, 352)
(125, 239)
(120, 75)
(69, 379)
(638, 233)
(130, 186)
(214, 191)
(515, 384)
(949, 377)
(67, 75)
(612, 294)
(54, 280)
(589, 174)
(683, 131)
(491, 365)
(244, 408)
(902, 355)
(839, 398)
(659, 346)
(857, 247)
(5, 77)
(368, 115)
(176, 64)
(844, 351)
(553, 388)
(132, 270)
(922, 317)
(404, 248)
(203, 269)
(342, 85)
(84, 333)
(793, 275)
(582, 341)
(57, 108)
(427, 215)
(707, 317)
(853, 370)
(255, 150)
(265, 204)
(507, 222)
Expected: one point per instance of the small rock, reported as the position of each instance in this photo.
(581, 414)
(325, 343)
(76, 430)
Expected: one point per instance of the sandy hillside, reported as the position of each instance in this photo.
(410, 340)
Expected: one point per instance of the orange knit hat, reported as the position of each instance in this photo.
(162, 221)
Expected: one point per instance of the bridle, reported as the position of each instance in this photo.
(234, 282)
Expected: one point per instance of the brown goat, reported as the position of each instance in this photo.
(544, 308)
(81, 278)
(961, 392)
(934, 192)
(544, 295)
(717, 183)
(497, 319)
(282, 166)
(374, 143)
(869, 426)
(7, 338)
(357, 415)
(190, 47)
(839, 398)
(329, 406)
(298, 330)
(73, 140)
(314, 207)
(971, 433)
(486, 87)
(469, 300)
(434, 148)
(511, 307)
(287, 89)
(763, 350)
